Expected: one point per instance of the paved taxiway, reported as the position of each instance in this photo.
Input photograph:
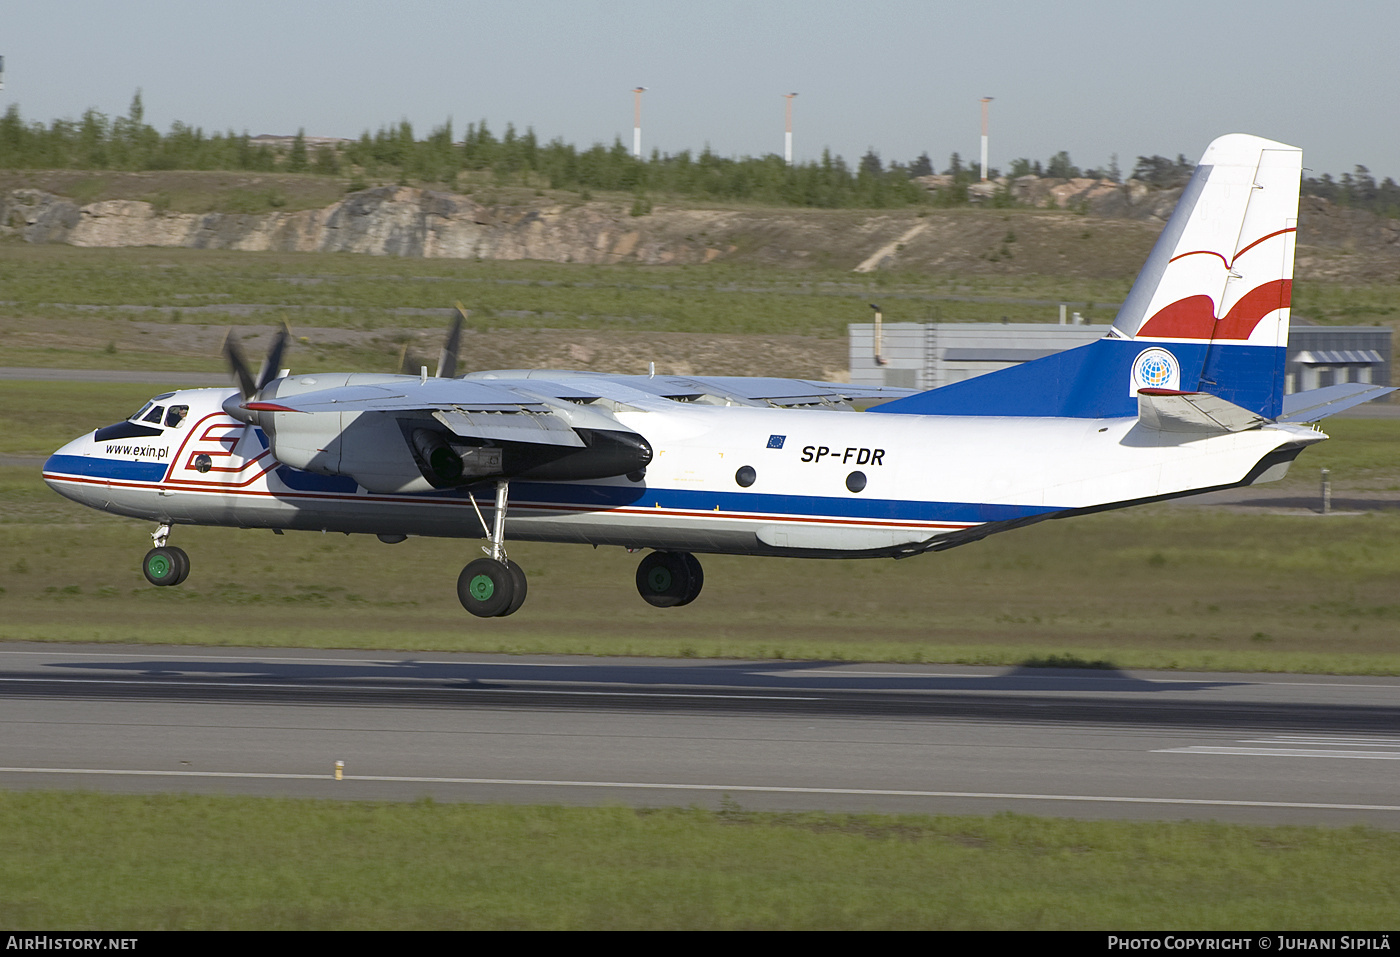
(858, 737)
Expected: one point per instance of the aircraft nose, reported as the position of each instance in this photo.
(67, 461)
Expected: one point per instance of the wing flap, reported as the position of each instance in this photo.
(536, 428)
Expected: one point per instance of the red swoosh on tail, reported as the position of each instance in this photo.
(1194, 316)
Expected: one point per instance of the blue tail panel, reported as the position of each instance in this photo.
(1101, 379)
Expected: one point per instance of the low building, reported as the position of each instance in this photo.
(933, 354)
(1327, 355)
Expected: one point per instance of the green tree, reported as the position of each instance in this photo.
(297, 160)
(1061, 167)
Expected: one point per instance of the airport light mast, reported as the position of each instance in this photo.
(637, 121)
(787, 136)
(985, 101)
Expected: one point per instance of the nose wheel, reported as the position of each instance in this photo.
(165, 564)
(670, 579)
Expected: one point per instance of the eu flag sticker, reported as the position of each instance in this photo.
(776, 441)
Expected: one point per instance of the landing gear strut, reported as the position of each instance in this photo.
(670, 579)
(493, 587)
(165, 564)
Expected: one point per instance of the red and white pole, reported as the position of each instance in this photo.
(787, 136)
(985, 101)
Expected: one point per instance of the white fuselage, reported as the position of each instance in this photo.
(738, 480)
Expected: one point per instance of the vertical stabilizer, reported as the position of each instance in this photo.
(1208, 313)
(1224, 263)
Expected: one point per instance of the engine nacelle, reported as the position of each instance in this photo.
(413, 452)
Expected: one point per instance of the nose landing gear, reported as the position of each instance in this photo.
(165, 564)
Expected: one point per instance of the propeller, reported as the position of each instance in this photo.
(410, 364)
(272, 365)
(447, 361)
(248, 387)
(241, 377)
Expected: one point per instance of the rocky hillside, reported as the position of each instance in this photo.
(1093, 228)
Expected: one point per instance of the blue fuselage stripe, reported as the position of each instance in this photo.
(602, 497)
(116, 470)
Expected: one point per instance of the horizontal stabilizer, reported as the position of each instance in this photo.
(1318, 404)
(1193, 412)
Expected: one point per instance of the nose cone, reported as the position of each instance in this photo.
(68, 465)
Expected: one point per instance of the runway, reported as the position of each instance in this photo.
(769, 735)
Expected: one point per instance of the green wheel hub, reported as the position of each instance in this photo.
(491, 589)
(159, 565)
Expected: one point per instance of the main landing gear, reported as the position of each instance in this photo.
(493, 587)
(165, 564)
(670, 579)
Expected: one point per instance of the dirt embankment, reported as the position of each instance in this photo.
(1105, 231)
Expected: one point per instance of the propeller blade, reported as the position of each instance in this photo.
(408, 362)
(447, 362)
(239, 367)
(273, 363)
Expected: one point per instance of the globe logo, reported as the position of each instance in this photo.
(1155, 369)
(1156, 372)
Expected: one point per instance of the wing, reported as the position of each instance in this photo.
(706, 390)
(405, 433)
(487, 411)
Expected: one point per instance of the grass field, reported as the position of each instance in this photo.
(85, 861)
(121, 286)
(105, 299)
(1164, 586)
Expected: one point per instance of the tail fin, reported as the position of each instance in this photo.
(1209, 310)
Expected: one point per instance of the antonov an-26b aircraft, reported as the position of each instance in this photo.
(1184, 394)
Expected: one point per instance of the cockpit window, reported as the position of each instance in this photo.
(176, 415)
(154, 415)
(136, 416)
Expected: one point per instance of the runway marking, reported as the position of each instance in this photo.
(742, 788)
(1285, 753)
(445, 684)
(1367, 742)
(1297, 746)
